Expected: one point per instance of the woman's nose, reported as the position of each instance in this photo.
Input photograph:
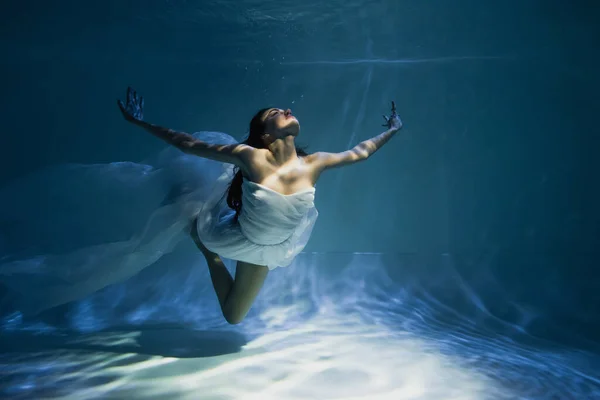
(288, 112)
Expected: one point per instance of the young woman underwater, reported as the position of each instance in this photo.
(270, 209)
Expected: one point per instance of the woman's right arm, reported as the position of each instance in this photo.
(133, 112)
(229, 153)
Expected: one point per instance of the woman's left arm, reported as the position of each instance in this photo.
(362, 151)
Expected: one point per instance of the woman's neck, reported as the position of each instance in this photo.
(283, 150)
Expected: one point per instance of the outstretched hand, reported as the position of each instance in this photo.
(133, 110)
(393, 121)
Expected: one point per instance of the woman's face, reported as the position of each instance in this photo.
(280, 123)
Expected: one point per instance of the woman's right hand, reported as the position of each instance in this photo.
(133, 110)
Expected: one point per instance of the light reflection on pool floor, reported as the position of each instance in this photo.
(326, 357)
(323, 358)
(360, 336)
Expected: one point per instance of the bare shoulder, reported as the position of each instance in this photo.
(317, 159)
(245, 152)
(236, 153)
(255, 164)
(322, 161)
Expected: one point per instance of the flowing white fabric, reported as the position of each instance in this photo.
(71, 230)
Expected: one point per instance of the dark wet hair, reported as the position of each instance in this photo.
(257, 129)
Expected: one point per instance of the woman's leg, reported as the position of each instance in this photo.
(235, 295)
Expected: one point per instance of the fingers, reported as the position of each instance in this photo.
(129, 95)
(122, 107)
(133, 108)
(123, 110)
(394, 116)
(133, 98)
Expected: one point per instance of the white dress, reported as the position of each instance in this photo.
(271, 230)
(71, 230)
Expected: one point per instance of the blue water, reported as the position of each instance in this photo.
(460, 262)
(331, 326)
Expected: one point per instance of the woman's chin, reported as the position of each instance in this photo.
(292, 128)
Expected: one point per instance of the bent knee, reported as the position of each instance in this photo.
(233, 318)
(234, 315)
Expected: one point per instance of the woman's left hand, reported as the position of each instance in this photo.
(393, 122)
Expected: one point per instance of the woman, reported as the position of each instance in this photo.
(270, 198)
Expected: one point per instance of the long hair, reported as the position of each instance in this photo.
(257, 129)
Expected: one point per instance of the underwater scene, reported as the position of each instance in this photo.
(448, 250)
